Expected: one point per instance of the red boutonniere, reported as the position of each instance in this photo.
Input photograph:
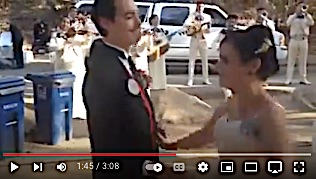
(143, 78)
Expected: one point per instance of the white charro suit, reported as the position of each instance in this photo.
(139, 54)
(198, 44)
(157, 69)
(298, 45)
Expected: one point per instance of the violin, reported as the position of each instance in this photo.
(72, 32)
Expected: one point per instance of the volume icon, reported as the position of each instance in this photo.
(37, 167)
(61, 167)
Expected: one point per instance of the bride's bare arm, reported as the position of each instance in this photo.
(202, 136)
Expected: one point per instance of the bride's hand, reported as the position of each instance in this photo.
(218, 113)
(164, 143)
(161, 131)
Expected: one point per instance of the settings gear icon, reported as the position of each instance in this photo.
(203, 167)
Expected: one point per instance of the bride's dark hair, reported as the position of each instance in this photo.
(256, 42)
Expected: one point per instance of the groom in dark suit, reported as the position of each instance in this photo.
(120, 113)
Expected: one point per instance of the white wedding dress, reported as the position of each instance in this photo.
(243, 136)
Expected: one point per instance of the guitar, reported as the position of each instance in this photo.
(195, 28)
(161, 46)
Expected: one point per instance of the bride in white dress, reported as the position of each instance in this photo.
(251, 121)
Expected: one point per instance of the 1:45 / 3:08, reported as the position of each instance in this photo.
(98, 166)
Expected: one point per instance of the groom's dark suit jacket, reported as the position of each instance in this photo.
(117, 120)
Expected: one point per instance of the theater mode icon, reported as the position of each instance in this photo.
(251, 167)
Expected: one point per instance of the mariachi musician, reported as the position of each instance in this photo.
(157, 64)
(139, 52)
(72, 44)
(198, 25)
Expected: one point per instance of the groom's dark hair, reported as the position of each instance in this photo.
(103, 9)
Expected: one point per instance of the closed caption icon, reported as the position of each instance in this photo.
(179, 167)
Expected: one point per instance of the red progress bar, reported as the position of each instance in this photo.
(89, 154)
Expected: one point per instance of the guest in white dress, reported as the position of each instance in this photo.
(157, 69)
(251, 121)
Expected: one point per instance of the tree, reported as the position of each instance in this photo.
(4, 4)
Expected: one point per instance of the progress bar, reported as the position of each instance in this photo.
(162, 154)
(243, 154)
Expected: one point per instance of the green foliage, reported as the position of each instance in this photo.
(60, 5)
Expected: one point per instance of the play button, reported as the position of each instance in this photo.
(13, 167)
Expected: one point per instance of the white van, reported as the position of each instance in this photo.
(172, 17)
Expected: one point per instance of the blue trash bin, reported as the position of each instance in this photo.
(11, 114)
(53, 96)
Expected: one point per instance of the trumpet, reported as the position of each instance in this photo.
(264, 14)
(304, 8)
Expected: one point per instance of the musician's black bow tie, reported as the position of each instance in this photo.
(199, 17)
(157, 30)
(160, 30)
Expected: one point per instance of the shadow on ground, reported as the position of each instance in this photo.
(35, 67)
(80, 126)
